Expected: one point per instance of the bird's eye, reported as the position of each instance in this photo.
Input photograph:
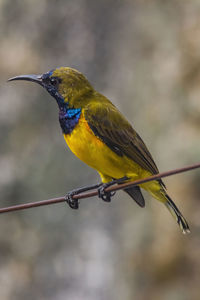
(55, 81)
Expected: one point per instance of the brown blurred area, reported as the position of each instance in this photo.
(145, 57)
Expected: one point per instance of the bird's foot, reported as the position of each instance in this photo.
(105, 196)
(73, 203)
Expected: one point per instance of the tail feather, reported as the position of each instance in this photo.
(136, 194)
(177, 215)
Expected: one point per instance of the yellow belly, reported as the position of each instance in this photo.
(90, 149)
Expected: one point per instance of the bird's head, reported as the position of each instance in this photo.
(65, 84)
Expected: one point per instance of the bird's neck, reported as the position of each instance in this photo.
(68, 117)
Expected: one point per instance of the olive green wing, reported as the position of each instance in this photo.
(116, 132)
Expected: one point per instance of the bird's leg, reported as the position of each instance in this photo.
(106, 196)
(74, 203)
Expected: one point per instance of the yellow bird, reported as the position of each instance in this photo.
(98, 134)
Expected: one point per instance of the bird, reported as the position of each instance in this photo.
(99, 135)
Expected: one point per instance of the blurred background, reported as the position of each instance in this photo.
(145, 57)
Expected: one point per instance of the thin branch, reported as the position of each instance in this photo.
(95, 192)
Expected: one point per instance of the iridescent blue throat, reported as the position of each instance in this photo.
(68, 117)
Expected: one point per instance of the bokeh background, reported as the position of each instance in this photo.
(144, 56)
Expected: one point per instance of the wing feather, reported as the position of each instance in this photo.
(115, 131)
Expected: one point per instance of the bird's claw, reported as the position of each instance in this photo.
(73, 203)
(105, 196)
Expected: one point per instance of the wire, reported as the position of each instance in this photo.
(95, 192)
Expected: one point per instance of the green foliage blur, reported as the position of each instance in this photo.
(145, 57)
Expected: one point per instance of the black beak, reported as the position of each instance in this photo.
(32, 77)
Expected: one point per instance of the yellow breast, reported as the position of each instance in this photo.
(90, 149)
(84, 144)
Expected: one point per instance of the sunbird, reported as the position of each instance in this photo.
(98, 134)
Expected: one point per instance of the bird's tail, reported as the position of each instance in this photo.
(136, 194)
(177, 215)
